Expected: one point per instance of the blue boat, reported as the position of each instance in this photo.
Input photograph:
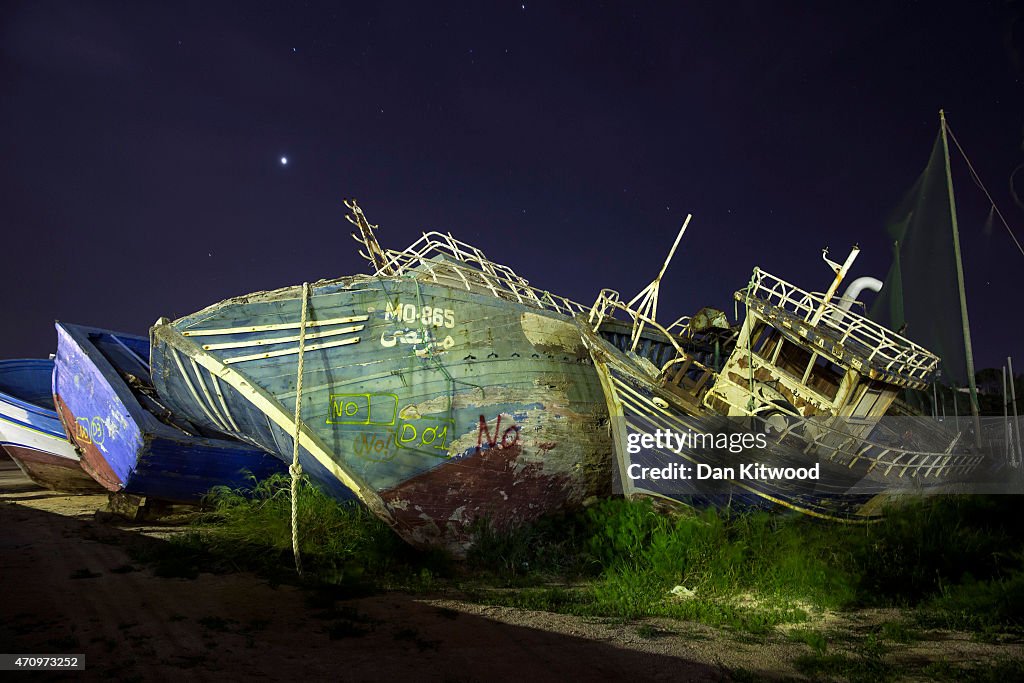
(442, 390)
(30, 430)
(129, 441)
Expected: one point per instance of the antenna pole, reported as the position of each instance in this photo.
(1016, 419)
(968, 349)
(840, 271)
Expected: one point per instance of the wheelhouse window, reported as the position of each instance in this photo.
(764, 340)
(825, 377)
(792, 359)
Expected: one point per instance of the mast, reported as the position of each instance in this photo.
(648, 297)
(968, 349)
(840, 271)
(374, 254)
(1017, 422)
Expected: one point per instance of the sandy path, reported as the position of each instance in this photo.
(132, 624)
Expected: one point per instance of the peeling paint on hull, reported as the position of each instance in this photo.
(416, 408)
(487, 486)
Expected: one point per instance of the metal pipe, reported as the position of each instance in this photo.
(856, 287)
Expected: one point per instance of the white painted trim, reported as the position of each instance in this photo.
(288, 352)
(275, 326)
(223, 403)
(281, 340)
(191, 387)
(221, 422)
(274, 411)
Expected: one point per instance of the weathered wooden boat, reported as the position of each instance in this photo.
(30, 430)
(129, 442)
(443, 390)
(810, 376)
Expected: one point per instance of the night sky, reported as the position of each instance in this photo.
(141, 174)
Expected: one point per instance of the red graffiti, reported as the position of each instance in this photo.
(492, 442)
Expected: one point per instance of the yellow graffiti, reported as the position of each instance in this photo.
(362, 409)
(98, 434)
(89, 431)
(379, 447)
(82, 433)
(434, 435)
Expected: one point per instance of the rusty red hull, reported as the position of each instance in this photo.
(445, 505)
(92, 460)
(51, 471)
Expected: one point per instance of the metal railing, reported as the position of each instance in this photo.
(850, 449)
(440, 256)
(886, 348)
(608, 302)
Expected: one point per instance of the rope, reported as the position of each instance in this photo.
(977, 181)
(295, 469)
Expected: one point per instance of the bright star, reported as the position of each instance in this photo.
(284, 161)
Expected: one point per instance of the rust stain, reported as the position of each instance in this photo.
(488, 484)
(92, 460)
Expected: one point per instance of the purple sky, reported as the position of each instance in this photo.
(140, 170)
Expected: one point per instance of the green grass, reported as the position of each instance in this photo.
(815, 640)
(958, 562)
(250, 529)
(338, 543)
(898, 632)
(999, 671)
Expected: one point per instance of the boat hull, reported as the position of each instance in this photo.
(640, 408)
(124, 446)
(31, 432)
(439, 407)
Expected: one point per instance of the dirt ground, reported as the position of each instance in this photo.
(68, 585)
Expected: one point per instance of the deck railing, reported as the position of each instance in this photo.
(885, 458)
(886, 348)
(468, 265)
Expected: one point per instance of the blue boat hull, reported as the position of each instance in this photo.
(124, 446)
(30, 430)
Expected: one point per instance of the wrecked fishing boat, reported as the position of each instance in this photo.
(807, 379)
(443, 390)
(30, 430)
(131, 443)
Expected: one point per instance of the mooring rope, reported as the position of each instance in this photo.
(296, 469)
